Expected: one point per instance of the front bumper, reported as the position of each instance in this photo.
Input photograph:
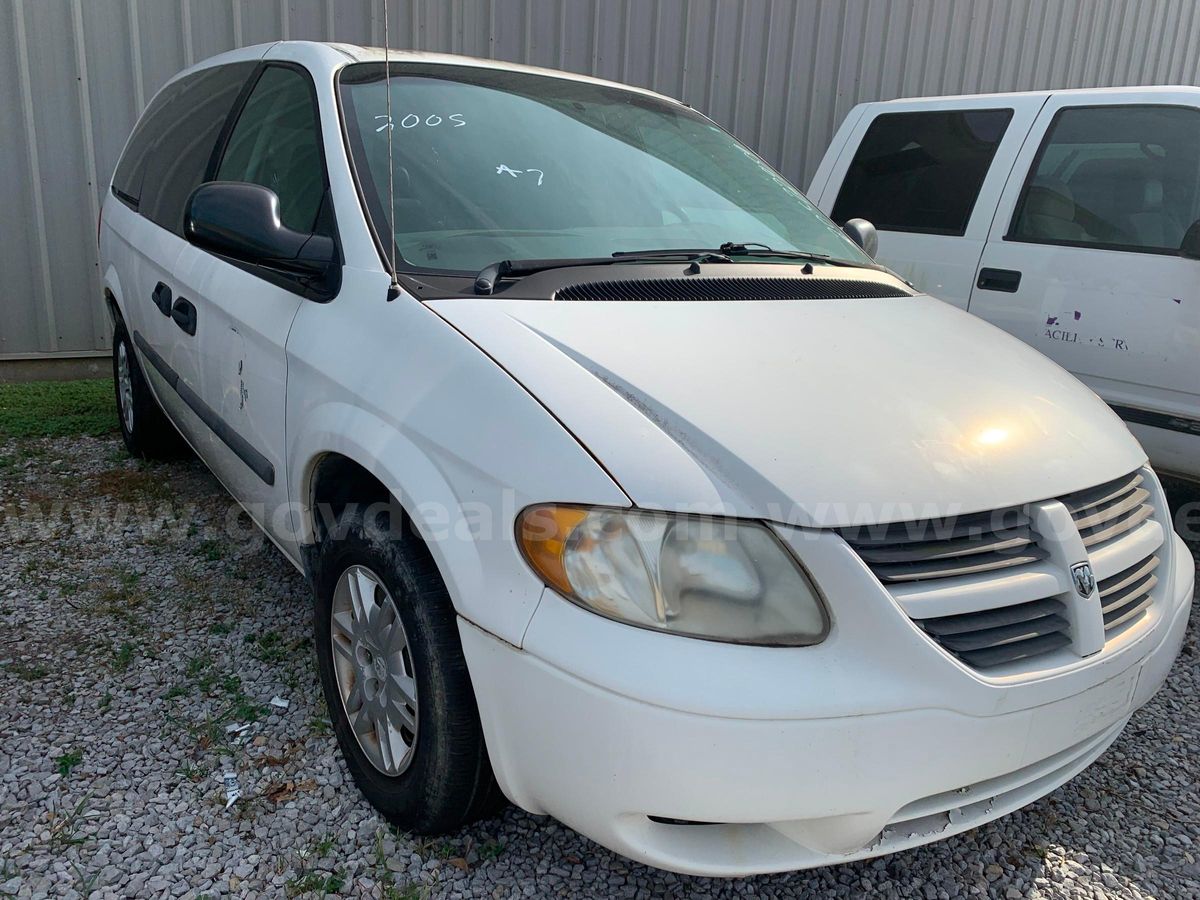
(799, 756)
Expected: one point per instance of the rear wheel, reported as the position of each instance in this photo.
(144, 426)
(395, 679)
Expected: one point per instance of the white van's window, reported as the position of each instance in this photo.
(173, 143)
(1114, 177)
(277, 143)
(921, 171)
(493, 165)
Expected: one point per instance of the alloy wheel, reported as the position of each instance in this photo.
(374, 670)
(124, 387)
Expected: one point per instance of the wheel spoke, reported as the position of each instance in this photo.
(393, 741)
(400, 714)
(355, 699)
(362, 591)
(384, 738)
(365, 730)
(403, 688)
(343, 622)
(343, 650)
(395, 640)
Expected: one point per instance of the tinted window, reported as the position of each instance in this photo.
(494, 165)
(277, 143)
(921, 171)
(1119, 177)
(173, 143)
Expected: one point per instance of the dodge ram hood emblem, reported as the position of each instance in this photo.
(1085, 581)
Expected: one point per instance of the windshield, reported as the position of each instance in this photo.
(491, 164)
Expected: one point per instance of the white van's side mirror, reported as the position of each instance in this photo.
(862, 233)
(1190, 245)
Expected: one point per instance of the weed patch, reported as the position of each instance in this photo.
(69, 761)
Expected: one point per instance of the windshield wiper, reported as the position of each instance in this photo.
(485, 281)
(753, 249)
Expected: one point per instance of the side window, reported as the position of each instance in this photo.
(1114, 177)
(173, 143)
(131, 168)
(277, 143)
(921, 171)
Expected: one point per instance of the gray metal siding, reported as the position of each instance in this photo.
(780, 74)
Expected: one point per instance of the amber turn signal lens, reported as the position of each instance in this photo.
(542, 532)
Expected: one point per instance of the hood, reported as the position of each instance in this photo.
(814, 412)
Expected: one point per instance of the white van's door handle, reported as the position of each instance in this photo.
(161, 295)
(999, 280)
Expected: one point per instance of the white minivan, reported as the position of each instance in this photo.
(628, 487)
(1071, 219)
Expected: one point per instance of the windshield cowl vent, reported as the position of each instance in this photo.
(717, 289)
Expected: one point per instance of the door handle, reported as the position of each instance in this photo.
(162, 298)
(184, 314)
(1006, 280)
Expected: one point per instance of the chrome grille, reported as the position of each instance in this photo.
(967, 545)
(1126, 596)
(1106, 512)
(982, 587)
(1006, 634)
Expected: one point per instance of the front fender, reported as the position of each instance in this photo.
(456, 440)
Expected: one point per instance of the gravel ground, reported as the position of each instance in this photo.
(127, 649)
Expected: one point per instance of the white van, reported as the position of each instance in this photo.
(1071, 219)
(628, 487)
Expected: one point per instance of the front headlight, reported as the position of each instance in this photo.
(719, 579)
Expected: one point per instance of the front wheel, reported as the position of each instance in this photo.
(395, 679)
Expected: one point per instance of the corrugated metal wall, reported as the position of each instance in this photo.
(780, 74)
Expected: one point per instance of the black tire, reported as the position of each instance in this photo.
(144, 426)
(448, 782)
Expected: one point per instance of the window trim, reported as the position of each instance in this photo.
(235, 113)
(289, 282)
(364, 202)
(936, 232)
(1019, 206)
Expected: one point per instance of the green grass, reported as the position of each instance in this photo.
(68, 761)
(491, 849)
(212, 550)
(26, 672)
(57, 409)
(319, 883)
(123, 657)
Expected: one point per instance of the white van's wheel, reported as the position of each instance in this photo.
(144, 426)
(394, 677)
(374, 670)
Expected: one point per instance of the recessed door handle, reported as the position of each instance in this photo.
(162, 298)
(1007, 280)
(184, 314)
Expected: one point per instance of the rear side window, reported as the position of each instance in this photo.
(172, 146)
(921, 171)
(1114, 177)
(277, 143)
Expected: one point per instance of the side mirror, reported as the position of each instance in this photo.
(862, 233)
(241, 220)
(1189, 247)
